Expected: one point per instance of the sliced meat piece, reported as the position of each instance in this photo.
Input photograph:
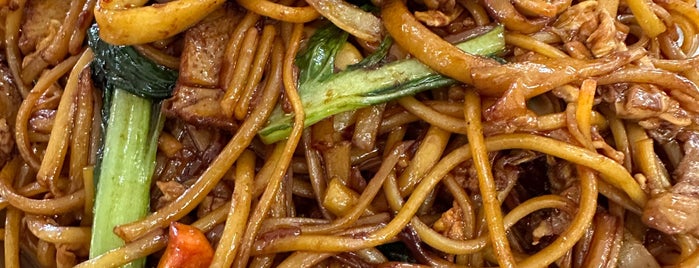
(39, 17)
(606, 38)
(197, 93)
(199, 106)
(204, 45)
(677, 211)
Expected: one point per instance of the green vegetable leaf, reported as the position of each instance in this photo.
(317, 61)
(123, 67)
(324, 94)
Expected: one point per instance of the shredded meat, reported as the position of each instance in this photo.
(439, 13)
(6, 141)
(606, 38)
(173, 175)
(437, 18)
(451, 224)
(577, 22)
(40, 22)
(10, 100)
(198, 90)
(658, 113)
(677, 210)
(200, 106)
(642, 102)
(171, 190)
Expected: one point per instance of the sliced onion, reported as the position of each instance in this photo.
(145, 24)
(350, 18)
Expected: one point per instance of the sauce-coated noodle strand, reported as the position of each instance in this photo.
(53, 206)
(610, 170)
(433, 117)
(49, 232)
(13, 225)
(465, 204)
(651, 24)
(89, 188)
(240, 73)
(58, 48)
(451, 246)
(486, 182)
(77, 38)
(257, 70)
(427, 234)
(304, 259)
(238, 213)
(428, 153)
(82, 132)
(26, 109)
(230, 56)
(52, 163)
(566, 240)
(316, 172)
(429, 48)
(480, 16)
(367, 196)
(529, 43)
(13, 22)
(289, 145)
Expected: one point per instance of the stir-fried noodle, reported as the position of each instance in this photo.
(522, 133)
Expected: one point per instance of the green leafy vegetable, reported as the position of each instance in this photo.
(133, 86)
(325, 93)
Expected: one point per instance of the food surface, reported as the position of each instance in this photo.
(332, 133)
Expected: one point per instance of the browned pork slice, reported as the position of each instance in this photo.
(198, 91)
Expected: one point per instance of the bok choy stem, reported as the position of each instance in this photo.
(132, 87)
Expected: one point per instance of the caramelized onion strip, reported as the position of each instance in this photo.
(350, 18)
(279, 11)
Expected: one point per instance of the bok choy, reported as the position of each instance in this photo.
(324, 92)
(133, 87)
